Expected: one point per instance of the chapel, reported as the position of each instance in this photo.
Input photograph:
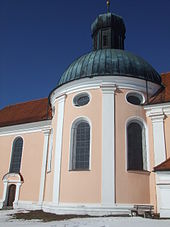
(99, 144)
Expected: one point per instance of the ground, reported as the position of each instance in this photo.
(7, 220)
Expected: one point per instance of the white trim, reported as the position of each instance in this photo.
(24, 128)
(157, 116)
(4, 197)
(164, 107)
(18, 185)
(79, 118)
(50, 150)
(96, 82)
(146, 166)
(108, 145)
(58, 148)
(163, 193)
(28, 205)
(1, 204)
(8, 181)
(89, 209)
(77, 209)
(44, 165)
(157, 109)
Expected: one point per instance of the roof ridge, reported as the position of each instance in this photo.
(34, 100)
(165, 73)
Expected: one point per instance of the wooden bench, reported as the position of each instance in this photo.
(142, 210)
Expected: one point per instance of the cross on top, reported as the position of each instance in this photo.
(108, 6)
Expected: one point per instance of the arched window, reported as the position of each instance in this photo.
(136, 148)
(80, 146)
(16, 155)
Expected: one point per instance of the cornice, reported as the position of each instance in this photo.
(25, 128)
(119, 82)
(157, 110)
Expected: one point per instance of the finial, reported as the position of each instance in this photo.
(108, 6)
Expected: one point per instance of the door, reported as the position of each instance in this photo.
(11, 194)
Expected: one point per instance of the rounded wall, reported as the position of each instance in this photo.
(82, 186)
(85, 187)
(136, 183)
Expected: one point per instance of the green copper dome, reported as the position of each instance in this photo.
(110, 62)
(108, 57)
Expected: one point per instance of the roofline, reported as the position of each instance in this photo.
(19, 103)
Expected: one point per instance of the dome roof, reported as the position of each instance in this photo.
(110, 62)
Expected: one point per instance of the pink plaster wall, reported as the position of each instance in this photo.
(30, 164)
(131, 187)
(82, 186)
(5, 152)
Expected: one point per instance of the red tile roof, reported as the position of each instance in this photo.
(164, 166)
(164, 95)
(27, 112)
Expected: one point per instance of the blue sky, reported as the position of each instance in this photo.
(40, 38)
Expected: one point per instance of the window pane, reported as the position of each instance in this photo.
(81, 146)
(81, 99)
(16, 155)
(135, 150)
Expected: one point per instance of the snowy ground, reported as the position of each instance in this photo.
(5, 221)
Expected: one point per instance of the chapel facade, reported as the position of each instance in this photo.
(100, 143)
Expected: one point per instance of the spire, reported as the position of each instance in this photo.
(108, 6)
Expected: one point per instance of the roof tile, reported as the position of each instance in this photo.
(164, 95)
(164, 166)
(26, 112)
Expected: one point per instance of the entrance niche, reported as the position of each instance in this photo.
(11, 195)
(11, 192)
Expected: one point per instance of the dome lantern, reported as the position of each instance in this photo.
(108, 32)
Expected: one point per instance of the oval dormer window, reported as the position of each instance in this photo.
(135, 98)
(81, 99)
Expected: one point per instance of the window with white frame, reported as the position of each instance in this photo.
(136, 146)
(16, 155)
(80, 145)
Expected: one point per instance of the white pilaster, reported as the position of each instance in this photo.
(159, 138)
(50, 151)
(44, 164)
(108, 147)
(58, 149)
(18, 185)
(4, 194)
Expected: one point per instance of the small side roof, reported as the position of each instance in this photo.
(164, 166)
(164, 95)
(26, 112)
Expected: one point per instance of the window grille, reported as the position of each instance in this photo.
(135, 146)
(16, 155)
(80, 146)
(81, 99)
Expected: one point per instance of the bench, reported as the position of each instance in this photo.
(142, 210)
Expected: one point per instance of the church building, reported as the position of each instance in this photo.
(100, 143)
